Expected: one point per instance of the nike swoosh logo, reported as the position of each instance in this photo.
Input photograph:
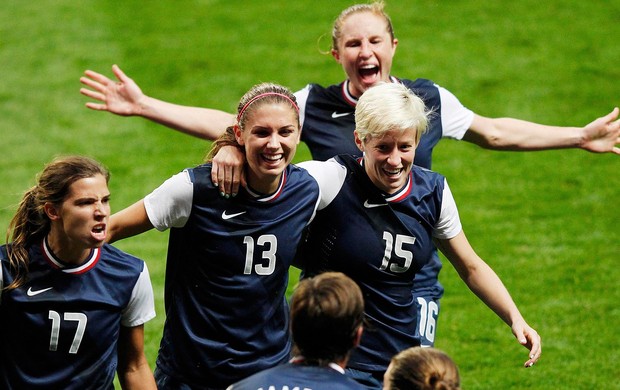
(337, 114)
(371, 205)
(32, 293)
(229, 216)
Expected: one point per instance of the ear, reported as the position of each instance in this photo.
(358, 141)
(238, 136)
(336, 55)
(358, 335)
(51, 211)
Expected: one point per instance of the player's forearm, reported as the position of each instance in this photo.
(128, 222)
(199, 122)
(139, 377)
(487, 286)
(518, 135)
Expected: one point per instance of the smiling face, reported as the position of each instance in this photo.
(79, 223)
(365, 50)
(388, 159)
(270, 138)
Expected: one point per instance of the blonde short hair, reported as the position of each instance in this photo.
(388, 107)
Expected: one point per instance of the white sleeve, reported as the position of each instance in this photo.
(455, 118)
(302, 97)
(170, 204)
(330, 176)
(141, 307)
(449, 223)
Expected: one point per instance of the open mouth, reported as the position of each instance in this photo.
(99, 232)
(368, 71)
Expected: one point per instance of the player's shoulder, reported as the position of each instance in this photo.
(419, 83)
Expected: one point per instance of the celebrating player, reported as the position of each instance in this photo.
(363, 43)
(72, 308)
(228, 260)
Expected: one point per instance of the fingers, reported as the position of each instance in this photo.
(120, 75)
(98, 77)
(531, 340)
(226, 178)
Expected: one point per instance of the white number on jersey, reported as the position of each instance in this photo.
(428, 319)
(80, 318)
(405, 256)
(270, 244)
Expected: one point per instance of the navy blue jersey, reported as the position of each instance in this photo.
(382, 243)
(298, 376)
(60, 329)
(328, 125)
(329, 120)
(226, 278)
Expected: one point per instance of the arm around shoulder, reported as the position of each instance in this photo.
(129, 222)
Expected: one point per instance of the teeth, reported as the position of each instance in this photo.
(273, 158)
(368, 66)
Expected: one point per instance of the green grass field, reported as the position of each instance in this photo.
(545, 221)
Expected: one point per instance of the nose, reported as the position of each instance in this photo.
(365, 51)
(101, 210)
(274, 141)
(394, 158)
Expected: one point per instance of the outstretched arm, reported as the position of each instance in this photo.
(599, 136)
(124, 97)
(485, 283)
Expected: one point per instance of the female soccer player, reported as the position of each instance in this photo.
(379, 218)
(419, 368)
(363, 43)
(72, 308)
(228, 259)
(381, 227)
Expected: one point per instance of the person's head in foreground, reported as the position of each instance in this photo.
(327, 312)
(420, 368)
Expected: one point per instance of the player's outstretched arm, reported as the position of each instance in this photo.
(599, 136)
(485, 283)
(124, 97)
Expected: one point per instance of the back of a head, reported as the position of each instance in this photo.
(326, 313)
(420, 368)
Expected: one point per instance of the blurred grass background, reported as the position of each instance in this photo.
(545, 221)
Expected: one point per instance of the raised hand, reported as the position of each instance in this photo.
(603, 134)
(122, 97)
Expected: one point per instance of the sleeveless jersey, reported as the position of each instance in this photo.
(60, 329)
(226, 278)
